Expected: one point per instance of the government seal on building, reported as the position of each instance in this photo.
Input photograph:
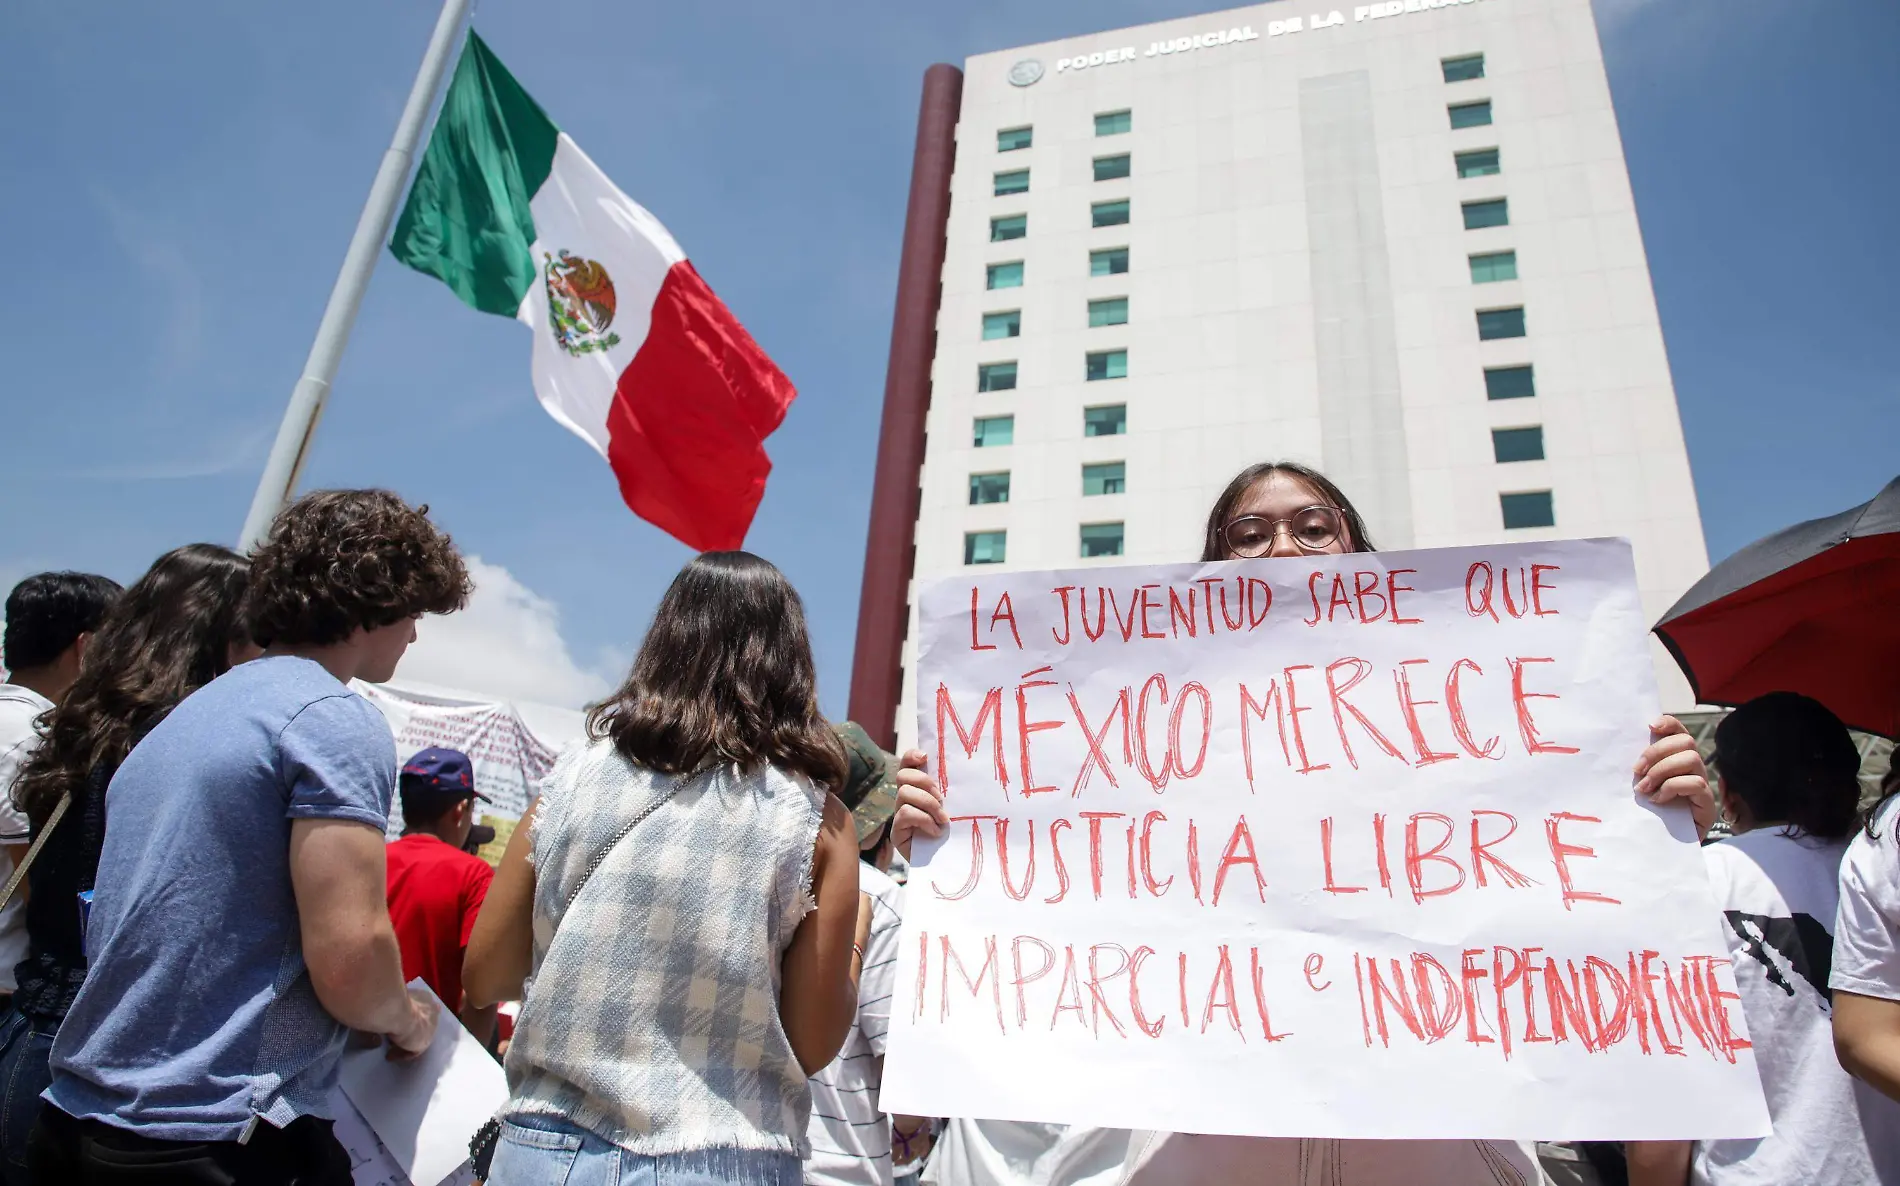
(580, 304)
(1027, 72)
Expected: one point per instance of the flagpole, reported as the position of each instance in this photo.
(285, 464)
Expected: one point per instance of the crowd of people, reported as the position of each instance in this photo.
(696, 914)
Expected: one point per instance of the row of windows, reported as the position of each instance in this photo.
(1107, 420)
(1102, 310)
(1523, 509)
(1476, 162)
(1001, 376)
(1104, 261)
(1108, 168)
(1107, 123)
(1097, 366)
(1508, 445)
(992, 547)
(1098, 478)
(1008, 323)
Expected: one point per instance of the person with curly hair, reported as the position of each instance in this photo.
(238, 928)
(176, 629)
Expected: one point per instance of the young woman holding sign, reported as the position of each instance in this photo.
(1280, 509)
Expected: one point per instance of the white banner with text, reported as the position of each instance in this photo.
(1336, 846)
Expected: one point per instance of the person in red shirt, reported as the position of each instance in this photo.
(435, 888)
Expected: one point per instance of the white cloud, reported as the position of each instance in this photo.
(507, 643)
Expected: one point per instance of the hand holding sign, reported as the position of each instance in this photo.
(1290, 847)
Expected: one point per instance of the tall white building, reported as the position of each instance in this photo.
(1393, 241)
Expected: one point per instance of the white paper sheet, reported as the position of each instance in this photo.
(370, 1162)
(1335, 846)
(424, 1111)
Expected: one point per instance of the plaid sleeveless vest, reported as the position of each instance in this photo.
(652, 1017)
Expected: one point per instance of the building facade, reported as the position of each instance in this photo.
(1393, 241)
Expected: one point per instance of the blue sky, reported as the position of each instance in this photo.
(181, 180)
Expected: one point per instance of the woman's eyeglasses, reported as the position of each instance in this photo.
(1313, 529)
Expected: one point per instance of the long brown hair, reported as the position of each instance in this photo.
(725, 674)
(1214, 544)
(166, 637)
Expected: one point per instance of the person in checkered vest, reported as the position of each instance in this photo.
(679, 910)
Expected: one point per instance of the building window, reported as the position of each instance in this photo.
(1108, 477)
(1108, 421)
(988, 488)
(1015, 181)
(1010, 226)
(1509, 383)
(1464, 69)
(1002, 325)
(1517, 444)
(1011, 139)
(1481, 162)
(1500, 323)
(1532, 509)
(1110, 262)
(1498, 265)
(1005, 275)
(1112, 168)
(1113, 311)
(996, 376)
(1101, 539)
(1479, 215)
(1113, 123)
(1109, 213)
(992, 431)
(985, 547)
(1108, 364)
(1470, 115)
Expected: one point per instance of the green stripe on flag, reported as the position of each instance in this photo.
(467, 221)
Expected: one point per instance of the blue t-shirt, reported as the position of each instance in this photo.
(197, 1013)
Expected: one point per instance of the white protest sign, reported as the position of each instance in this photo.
(1336, 846)
(509, 760)
(425, 1110)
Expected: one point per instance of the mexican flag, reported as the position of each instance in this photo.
(632, 352)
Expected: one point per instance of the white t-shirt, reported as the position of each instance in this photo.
(19, 708)
(1867, 930)
(850, 1134)
(1778, 895)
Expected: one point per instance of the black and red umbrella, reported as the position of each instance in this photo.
(1813, 609)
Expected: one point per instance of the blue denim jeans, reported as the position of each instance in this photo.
(26, 1046)
(548, 1151)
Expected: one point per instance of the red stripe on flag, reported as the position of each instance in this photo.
(686, 432)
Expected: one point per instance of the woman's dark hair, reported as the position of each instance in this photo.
(165, 637)
(47, 612)
(1793, 762)
(725, 675)
(1214, 546)
(340, 560)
